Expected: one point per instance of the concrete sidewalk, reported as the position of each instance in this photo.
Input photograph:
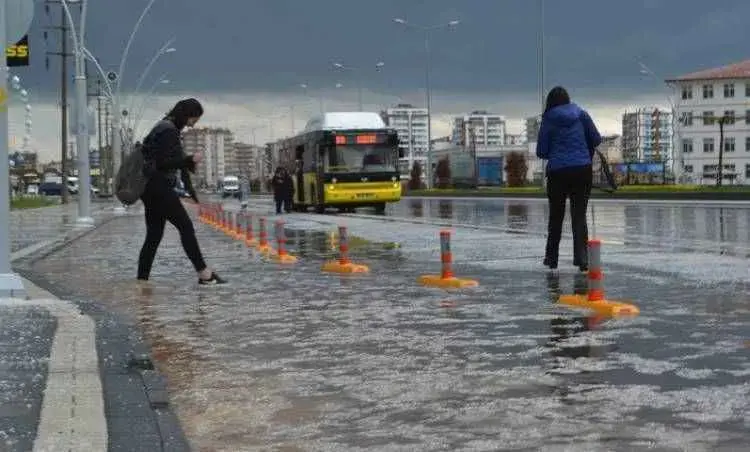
(72, 375)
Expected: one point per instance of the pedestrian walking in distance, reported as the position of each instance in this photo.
(163, 158)
(567, 139)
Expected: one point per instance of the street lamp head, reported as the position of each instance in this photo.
(339, 85)
(379, 64)
(399, 21)
(303, 85)
(453, 23)
(164, 81)
(170, 50)
(338, 65)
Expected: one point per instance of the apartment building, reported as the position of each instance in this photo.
(411, 125)
(647, 135)
(219, 158)
(479, 128)
(708, 101)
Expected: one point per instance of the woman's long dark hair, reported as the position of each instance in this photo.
(184, 110)
(557, 96)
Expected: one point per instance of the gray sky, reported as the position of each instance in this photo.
(255, 53)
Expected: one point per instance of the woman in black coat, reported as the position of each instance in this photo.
(164, 158)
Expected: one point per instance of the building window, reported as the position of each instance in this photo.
(708, 118)
(747, 89)
(687, 118)
(687, 145)
(747, 144)
(688, 168)
(729, 144)
(747, 171)
(687, 92)
(729, 90)
(708, 91)
(729, 115)
(708, 145)
(747, 116)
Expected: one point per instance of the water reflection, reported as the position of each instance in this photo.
(417, 207)
(445, 209)
(518, 216)
(565, 328)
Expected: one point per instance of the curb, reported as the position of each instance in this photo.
(136, 398)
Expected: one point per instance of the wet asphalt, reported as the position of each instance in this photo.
(288, 357)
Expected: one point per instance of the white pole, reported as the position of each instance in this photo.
(10, 284)
(117, 114)
(82, 132)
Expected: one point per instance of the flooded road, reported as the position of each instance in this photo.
(293, 359)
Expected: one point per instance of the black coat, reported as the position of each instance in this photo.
(283, 187)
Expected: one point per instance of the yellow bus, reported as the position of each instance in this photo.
(344, 161)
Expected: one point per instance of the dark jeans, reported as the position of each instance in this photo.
(574, 184)
(285, 202)
(162, 205)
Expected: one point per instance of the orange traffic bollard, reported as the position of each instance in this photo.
(595, 298)
(281, 255)
(446, 279)
(343, 264)
(249, 238)
(263, 246)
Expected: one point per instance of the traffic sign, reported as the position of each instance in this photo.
(19, 14)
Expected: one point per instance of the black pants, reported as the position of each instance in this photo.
(286, 202)
(574, 184)
(162, 204)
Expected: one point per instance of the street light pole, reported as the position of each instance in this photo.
(82, 132)
(117, 113)
(720, 172)
(428, 97)
(379, 65)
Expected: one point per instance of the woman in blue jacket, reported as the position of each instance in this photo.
(567, 140)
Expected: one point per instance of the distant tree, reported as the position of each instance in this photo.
(516, 168)
(443, 173)
(415, 179)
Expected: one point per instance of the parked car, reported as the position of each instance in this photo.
(50, 189)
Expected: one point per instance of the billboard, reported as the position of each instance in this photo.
(18, 54)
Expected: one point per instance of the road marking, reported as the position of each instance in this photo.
(72, 415)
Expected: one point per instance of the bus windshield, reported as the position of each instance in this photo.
(375, 158)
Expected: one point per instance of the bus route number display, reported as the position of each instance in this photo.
(18, 54)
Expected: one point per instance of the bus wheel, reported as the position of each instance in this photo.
(380, 208)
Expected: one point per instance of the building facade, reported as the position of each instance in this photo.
(249, 161)
(219, 158)
(411, 125)
(703, 98)
(647, 136)
(533, 124)
(479, 128)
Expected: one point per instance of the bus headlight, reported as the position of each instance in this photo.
(393, 179)
(333, 181)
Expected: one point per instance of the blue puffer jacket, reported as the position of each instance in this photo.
(567, 137)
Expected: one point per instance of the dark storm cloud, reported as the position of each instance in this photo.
(273, 45)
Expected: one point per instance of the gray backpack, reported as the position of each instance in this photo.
(131, 180)
(133, 174)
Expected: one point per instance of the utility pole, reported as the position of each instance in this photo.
(97, 94)
(720, 173)
(64, 55)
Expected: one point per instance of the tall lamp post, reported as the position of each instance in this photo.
(724, 119)
(378, 66)
(674, 124)
(428, 97)
(82, 132)
(116, 112)
(142, 107)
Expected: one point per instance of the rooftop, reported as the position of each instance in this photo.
(732, 71)
(346, 120)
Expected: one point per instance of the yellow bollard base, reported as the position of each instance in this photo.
(447, 283)
(284, 258)
(350, 267)
(604, 307)
(251, 242)
(266, 250)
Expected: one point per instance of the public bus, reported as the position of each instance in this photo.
(343, 161)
